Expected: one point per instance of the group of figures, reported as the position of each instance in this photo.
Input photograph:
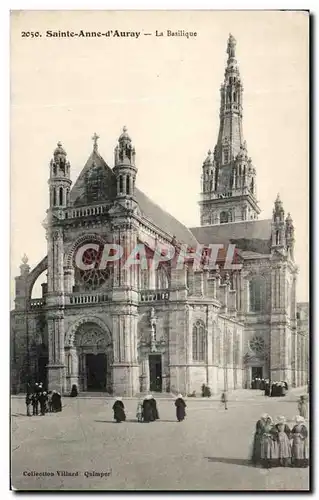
(47, 401)
(277, 445)
(273, 390)
(147, 410)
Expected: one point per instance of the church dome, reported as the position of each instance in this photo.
(59, 151)
(124, 136)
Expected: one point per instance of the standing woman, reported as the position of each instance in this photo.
(302, 407)
(118, 409)
(300, 450)
(268, 444)
(180, 408)
(154, 407)
(147, 410)
(256, 454)
(283, 440)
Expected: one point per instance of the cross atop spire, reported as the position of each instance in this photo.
(95, 139)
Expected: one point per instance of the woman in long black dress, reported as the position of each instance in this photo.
(148, 414)
(256, 454)
(119, 411)
(180, 408)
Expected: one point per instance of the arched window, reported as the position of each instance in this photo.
(277, 237)
(223, 218)
(144, 277)
(61, 196)
(252, 185)
(127, 184)
(161, 278)
(69, 364)
(199, 341)
(229, 347)
(257, 294)
(121, 184)
(234, 97)
(217, 351)
(54, 197)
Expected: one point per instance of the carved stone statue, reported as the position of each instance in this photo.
(153, 321)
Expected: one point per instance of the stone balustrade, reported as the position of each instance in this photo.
(154, 295)
(86, 211)
(88, 298)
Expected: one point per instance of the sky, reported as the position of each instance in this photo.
(166, 91)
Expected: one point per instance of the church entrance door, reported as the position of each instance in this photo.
(256, 372)
(96, 371)
(155, 363)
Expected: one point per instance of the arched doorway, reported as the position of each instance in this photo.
(89, 358)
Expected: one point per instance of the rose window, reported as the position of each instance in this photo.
(94, 278)
(257, 344)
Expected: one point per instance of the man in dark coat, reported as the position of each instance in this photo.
(267, 388)
(28, 402)
(43, 402)
(180, 408)
(35, 403)
(148, 414)
(119, 412)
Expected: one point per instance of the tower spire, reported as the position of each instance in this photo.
(229, 184)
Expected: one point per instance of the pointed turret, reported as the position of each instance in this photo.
(59, 182)
(278, 224)
(208, 173)
(290, 235)
(124, 166)
(231, 194)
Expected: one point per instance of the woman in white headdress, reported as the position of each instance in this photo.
(300, 450)
(283, 433)
(148, 413)
(268, 445)
(180, 408)
(119, 411)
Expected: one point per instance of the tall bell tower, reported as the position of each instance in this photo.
(228, 175)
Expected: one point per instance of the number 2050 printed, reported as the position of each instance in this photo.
(30, 34)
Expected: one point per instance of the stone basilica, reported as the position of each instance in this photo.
(130, 330)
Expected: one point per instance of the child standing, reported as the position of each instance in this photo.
(139, 412)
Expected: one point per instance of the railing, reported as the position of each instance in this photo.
(37, 303)
(87, 211)
(154, 295)
(88, 298)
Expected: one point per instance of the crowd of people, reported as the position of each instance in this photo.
(278, 445)
(273, 389)
(147, 410)
(42, 401)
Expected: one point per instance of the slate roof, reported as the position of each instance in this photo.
(252, 236)
(163, 219)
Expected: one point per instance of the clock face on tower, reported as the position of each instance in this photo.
(95, 277)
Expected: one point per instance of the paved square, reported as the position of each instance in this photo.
(208, 451)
